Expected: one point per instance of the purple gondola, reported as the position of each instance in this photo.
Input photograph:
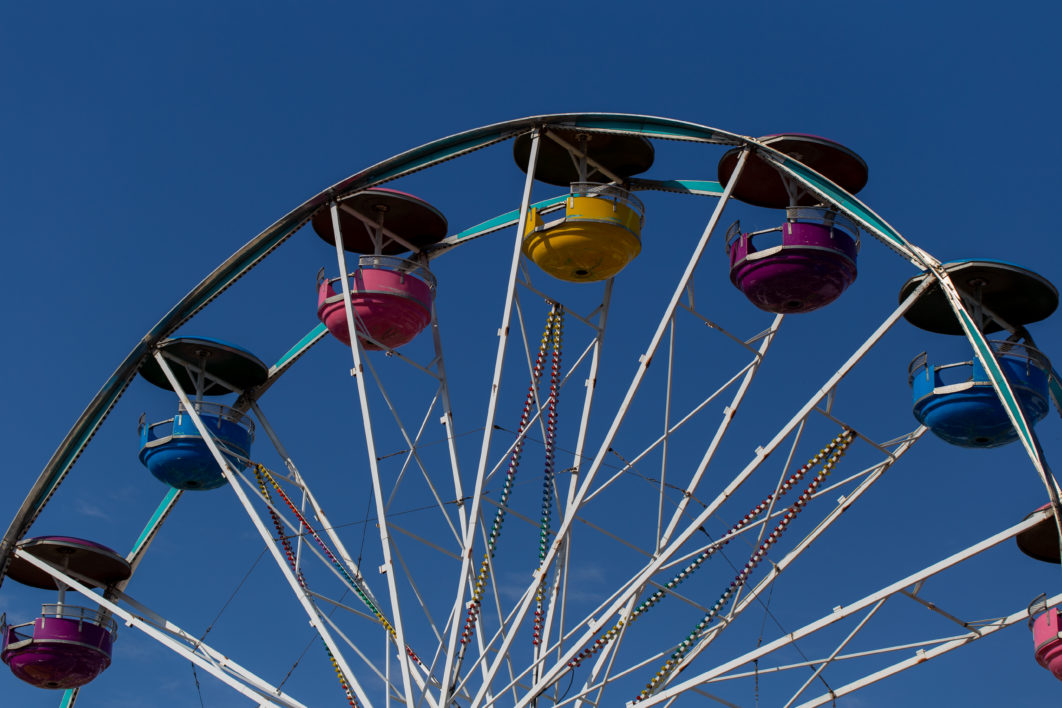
(808, 263)
(66, 646)
(814, 260)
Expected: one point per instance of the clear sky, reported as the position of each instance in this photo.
(143, 145)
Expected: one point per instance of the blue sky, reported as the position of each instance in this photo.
(144, 146)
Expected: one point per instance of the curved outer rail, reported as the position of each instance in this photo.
(448, 148)
(261, 245)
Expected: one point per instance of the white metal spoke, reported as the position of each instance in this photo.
(412, 455)
(728, 416)
(853, 608)
(361, 655)
(298, 531)
(503, 333)
(666, 436)
(258, 689)
(381, 512)
(419, 595)
(786, 561)
(318, 511)
(629, 464)
(632, 390)
(447, 419)
(738, 479)
(934, 608)
(557, 608)
(922, 656)
(233, 481)
(851, 635)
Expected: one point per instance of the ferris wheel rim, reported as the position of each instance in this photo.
(257, 248)
(393, 168)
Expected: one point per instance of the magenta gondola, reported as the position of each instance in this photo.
(66, 646)
(800, 266)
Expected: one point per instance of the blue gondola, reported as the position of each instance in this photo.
(957, 401)
(175, 452)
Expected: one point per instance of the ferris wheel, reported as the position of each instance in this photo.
(561, 455)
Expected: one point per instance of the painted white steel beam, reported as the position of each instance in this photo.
(787, 561)
(388, 567)
(454, 655)
(206, 658)
(575, 503)
(923, 655)
(844, 611)
(673, 548)
(230, 476)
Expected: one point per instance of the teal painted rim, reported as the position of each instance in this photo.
(419, 158)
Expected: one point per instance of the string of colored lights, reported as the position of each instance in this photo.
(510, 475)
(707, 553)
(831, 454)
(549, 472)
(354, 585)
(286, 545)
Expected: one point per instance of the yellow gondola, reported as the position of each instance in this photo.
(598, 236)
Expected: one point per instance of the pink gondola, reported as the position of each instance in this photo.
(391, 299)
(1048, 641)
